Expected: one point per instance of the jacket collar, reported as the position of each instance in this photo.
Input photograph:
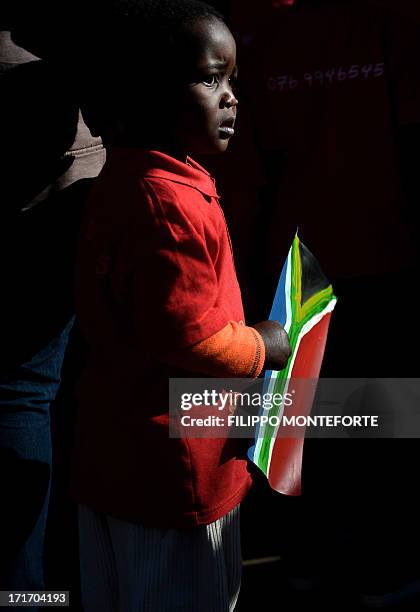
(160, 165)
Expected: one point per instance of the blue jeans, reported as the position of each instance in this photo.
(25, 463)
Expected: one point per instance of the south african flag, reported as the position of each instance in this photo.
(303, 305)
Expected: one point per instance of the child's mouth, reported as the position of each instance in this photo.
(226, 128)
(225, 131)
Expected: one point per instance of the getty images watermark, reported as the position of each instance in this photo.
(325, 408)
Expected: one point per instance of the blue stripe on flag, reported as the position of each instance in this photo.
(278, 310)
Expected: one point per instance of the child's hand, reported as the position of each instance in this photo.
(276, 341)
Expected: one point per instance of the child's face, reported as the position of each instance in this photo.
(207, 112)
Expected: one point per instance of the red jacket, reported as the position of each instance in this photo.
(155, 273)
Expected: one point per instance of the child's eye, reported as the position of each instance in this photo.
(210, 80)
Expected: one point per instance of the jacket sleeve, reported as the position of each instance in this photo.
(235, 350)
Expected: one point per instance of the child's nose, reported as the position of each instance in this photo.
(229, 99)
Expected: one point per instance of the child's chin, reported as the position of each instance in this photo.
(213, 148)
(221, 145)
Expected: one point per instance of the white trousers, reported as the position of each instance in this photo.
(126, 567)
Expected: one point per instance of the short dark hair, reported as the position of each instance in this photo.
(166, 15)
(129, 31)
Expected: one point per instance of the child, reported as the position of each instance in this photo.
(157, 296)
